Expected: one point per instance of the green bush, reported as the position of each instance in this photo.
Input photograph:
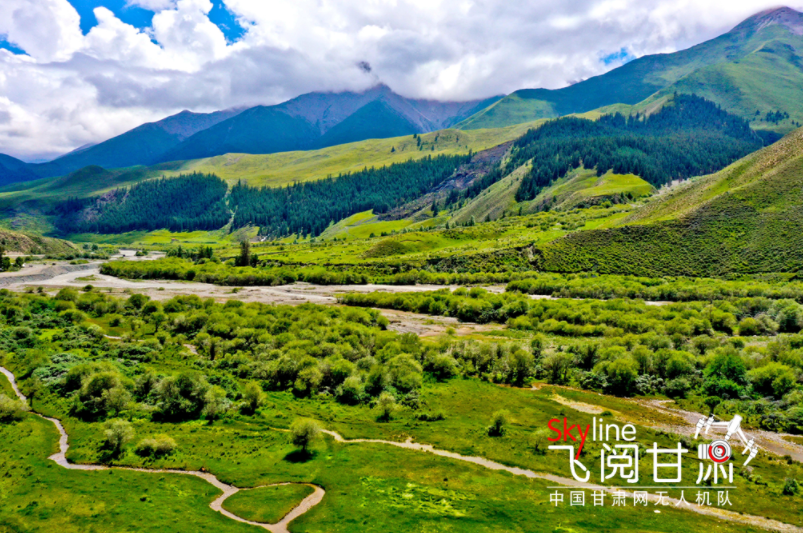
(158, 446)
(10, 409)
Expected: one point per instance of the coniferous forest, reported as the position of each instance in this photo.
(309, 208)
(189, 202)
(689, 138)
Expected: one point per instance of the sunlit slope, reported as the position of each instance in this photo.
(747, 218)
(767, 80)
(755, 66)
(13, 241)
(280, 169)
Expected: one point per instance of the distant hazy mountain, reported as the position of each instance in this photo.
(12, 170)
(141, 146)
(317, 120)
(754, 67)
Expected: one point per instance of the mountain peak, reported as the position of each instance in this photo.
(780, 16)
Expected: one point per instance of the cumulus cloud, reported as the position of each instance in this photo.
(69, 89)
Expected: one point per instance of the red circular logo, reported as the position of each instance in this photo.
(719, 451)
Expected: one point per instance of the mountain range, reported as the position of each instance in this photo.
(754, 71)
(310, 121)
(754, 67)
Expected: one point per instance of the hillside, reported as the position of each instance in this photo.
(747, 218)
(141, 146)
(25, 243)
(280, 169)
(755, 66)
(12, 170)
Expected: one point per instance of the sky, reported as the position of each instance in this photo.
(75, 72)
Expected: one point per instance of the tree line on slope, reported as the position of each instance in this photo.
(689, 137)
(309, 208)
(185, 203)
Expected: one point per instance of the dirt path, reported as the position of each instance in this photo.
(60, 458)
(317, 496)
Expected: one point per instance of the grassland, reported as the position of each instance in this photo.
(267, 504)
(365, 486)
(276, 170)
(583, 187)
(502, 234)
(13, 241)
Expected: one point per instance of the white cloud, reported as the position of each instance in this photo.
(48, 30)
(72, 89)
(151, 5)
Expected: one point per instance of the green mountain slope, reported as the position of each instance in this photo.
(762, 83)
(641, 78)
(31, 199)
(376, 120)
(26, 243)
(12, 170)
(141, 146)
(747, 218)
(259, 130)
(583, 188)
(276, 170)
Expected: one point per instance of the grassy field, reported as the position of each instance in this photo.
(365, 487)
(267, 504)
(276, 170)
(583, 187)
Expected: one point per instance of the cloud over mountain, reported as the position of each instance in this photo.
(70, 88)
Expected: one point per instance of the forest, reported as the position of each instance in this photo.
(689, 137)
(309, 208)
(187, 202)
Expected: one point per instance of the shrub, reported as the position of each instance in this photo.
(182, 396)
(386, 406)
(677, 388)
(117, 434)
(772, 379)
(539, 441)
(11, 409)
(158, 446)
(443, 367)
(790, 487)
(499, 423)
(304, 433)
(215, 403)
(253, 398)
(350, 391)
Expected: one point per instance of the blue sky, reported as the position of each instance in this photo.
(141, 18)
